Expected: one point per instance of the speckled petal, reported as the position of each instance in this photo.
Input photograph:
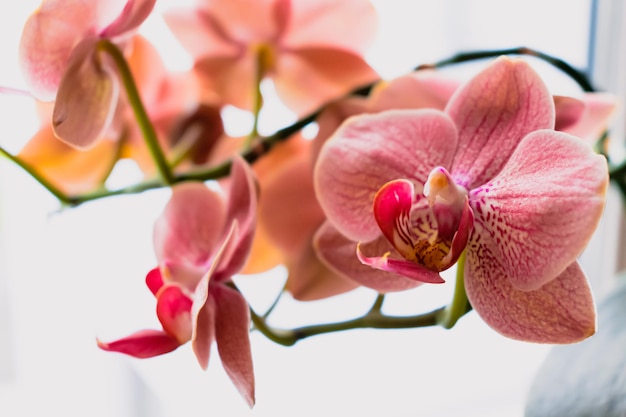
(494, 111)
(539, 213)
(562, 311)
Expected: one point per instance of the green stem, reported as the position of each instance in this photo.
(52, 189)
(139, 110)
(258, 97)
(373, 319)
(459, 305)
(259, 149)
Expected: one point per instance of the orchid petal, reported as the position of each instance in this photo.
(188, 24)
(189, 229)
(242, 210)
(232, 78)
(174, 312)
(562, 311)
(409, 269)
(288, 207)
(493, 113)
(339, 254)
(232, 334)
(143, 344)
(417, 90)
(204, 307)
(371, 150)
(154, 280)
(71, 170)
(317, 23)
(48, 37)
(599, 107)
(133, 15)
(86, 98)
(539, 213)
(568, 111)
(310, 279)
(307, 78)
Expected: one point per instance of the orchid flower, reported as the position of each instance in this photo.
(170, 100)
(302, 45)
(406, 192)
(60, 60)
(201, 241)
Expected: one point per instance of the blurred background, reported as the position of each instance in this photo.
(67, 277)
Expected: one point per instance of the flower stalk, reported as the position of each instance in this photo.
(139, 110)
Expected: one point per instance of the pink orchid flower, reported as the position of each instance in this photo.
(304, 46)
(201, 241)
(59, 57)
(409, 190)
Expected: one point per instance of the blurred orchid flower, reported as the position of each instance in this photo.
(59, 58)
(201, 241)
(410, 190)
(304, 46)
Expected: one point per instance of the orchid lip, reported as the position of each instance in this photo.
(431, 228)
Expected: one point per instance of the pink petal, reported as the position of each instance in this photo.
(417, 90)
(48, 37)
(310, 279)
(539, 213)
(598, 109)
(143, 344)
(231, 78)
(562, 311)
(174, 312)
(154, 280)
(493, 113)
(288, 207)
(371, 150)
(324, 23)
(399, 266)
(568, 111)
(191, 225)
(232, 334)
(339, 254)
(204, 307)
(189, 24)
(242, 210)
(86, 99)
(309, 77)
(133, 15)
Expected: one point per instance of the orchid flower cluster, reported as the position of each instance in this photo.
(404, 179)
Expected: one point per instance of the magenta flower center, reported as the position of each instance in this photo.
(422, 222)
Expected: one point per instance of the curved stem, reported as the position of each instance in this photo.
(139, 110)
(374, 319)
(261, 58)
(52, 189)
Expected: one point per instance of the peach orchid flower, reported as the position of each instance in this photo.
(170, 99)
(407, 191)
(201, 240)
(304, 46)
(60, 60)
